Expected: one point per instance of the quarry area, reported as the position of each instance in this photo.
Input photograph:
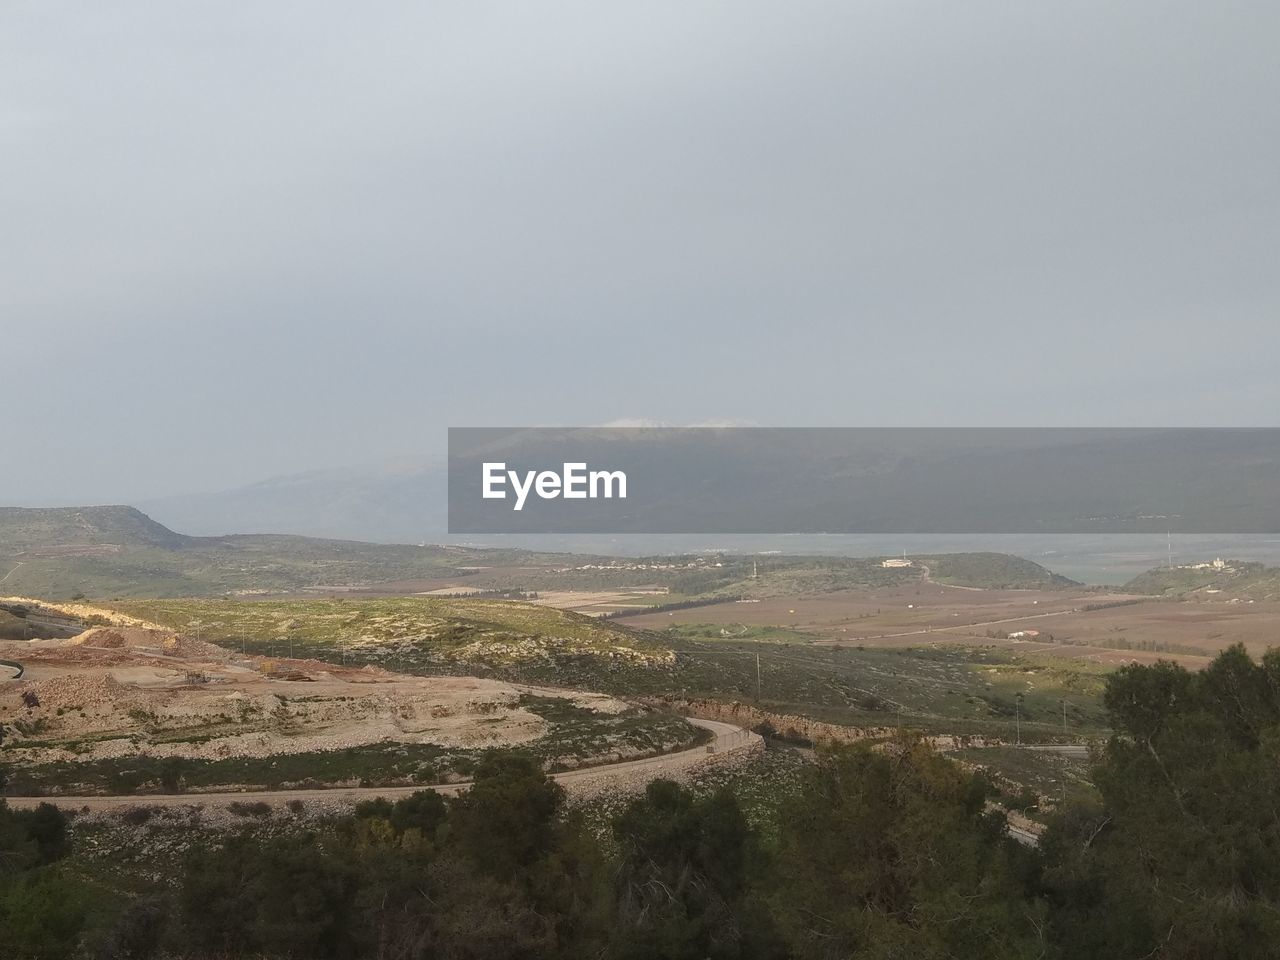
(128, 691)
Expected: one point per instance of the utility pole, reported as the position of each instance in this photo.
(1017, 717)
(1064, 717)
(757, 677)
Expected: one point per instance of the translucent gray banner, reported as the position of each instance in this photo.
(827, 480)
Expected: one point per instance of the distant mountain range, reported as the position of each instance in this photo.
(379, 505)
(879, 481)
(110, 551)
(939, 482)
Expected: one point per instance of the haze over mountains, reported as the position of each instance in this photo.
(1228, 478)
(381, 504)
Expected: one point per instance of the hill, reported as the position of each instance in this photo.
(387, 503)
(1231, 579)
(119, 551)
(35, 530)
(992, 571)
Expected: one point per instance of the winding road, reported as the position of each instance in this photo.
(728, 739)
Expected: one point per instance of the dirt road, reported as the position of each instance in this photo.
(729, 740)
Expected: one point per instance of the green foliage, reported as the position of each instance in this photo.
(992, 571)
(1180, 859)
(499, 871)
(285, 897)
(41, 916)
(867, 853)
(682, 882)
(42, 912)
(891, 854)
(506, 821)
(46, 828)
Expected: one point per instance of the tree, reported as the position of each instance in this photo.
(1181, 858)
(891, 854)
(682, 883)
(507, 821)
(284, 897)
(41, 913)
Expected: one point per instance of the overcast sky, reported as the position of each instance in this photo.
(242, 240)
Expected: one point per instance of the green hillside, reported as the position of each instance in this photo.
(992, 570)
(61, 553)
(1236, 578)
(116, 551)
(37, 530)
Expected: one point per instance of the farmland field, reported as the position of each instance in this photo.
(1108, 628)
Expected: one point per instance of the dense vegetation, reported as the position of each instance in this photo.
(875, 854)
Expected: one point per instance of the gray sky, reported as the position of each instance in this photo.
(241, 240)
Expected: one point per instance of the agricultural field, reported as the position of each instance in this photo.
(1108, 628)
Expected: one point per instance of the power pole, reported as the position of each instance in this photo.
(757, 677)
(1064, 717)
(1017, 717)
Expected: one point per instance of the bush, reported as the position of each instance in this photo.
(257, 808)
